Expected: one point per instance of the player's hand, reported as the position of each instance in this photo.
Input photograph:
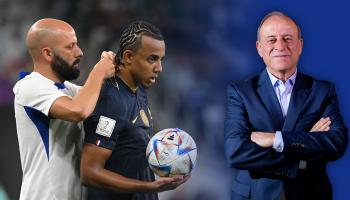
(169, 183)
(263, 139)
(322, 125)
(106, 66)
(108, 54)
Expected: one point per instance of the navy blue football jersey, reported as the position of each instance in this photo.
(122, 122)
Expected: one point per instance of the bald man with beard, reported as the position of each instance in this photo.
(49, 109)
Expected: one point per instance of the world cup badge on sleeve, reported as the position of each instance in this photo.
(105, 126)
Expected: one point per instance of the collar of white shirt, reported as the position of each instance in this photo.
(275, 81)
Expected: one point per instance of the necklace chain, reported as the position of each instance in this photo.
(114, 82)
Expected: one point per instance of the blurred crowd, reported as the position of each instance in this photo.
(202, 56)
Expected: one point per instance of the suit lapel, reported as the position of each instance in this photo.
(298, 98)
(269, 98)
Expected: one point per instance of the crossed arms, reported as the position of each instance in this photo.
(251, 149)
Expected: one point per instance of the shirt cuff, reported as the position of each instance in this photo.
(278, 144)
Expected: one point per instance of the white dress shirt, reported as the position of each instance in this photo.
(283, 92)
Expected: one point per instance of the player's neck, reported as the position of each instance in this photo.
(126, 77)
(47, 72)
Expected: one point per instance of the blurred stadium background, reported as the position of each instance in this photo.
(209, 43)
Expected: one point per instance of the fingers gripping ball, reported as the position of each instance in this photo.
(171, 151)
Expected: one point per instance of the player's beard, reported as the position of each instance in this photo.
(63, 69)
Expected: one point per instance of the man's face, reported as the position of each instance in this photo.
(279, 45)
(66, 56)
(147, 61)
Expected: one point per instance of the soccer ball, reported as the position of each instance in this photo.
(171, 151)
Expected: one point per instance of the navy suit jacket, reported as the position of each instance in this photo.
(262, 173)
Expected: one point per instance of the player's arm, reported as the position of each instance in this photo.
(94, 174)
(83, 103)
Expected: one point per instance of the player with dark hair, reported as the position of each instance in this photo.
(114, 163)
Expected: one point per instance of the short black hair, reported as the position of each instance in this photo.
(277, 13)
(131, 37)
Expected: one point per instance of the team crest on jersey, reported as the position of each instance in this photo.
(105, 126)
(144, 117)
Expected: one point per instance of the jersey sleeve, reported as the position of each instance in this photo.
(37, 94)
(104, 125)
(72, 87)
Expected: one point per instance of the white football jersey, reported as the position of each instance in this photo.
(50, 149)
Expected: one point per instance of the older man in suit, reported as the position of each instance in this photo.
(282, 127)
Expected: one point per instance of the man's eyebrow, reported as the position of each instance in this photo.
(71, 43)
(284, 35)
(154, 56)
(271, 36)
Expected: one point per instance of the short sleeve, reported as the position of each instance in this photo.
(102, 128)
(37, 94)
(101, 131)
(72, 87)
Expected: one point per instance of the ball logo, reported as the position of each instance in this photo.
(171, 137)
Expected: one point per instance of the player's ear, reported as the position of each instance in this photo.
(127, 57)
(47, 54)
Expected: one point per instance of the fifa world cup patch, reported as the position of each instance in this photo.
(105, 126)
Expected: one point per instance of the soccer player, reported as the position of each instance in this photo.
(48, 107)
(117, 133)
